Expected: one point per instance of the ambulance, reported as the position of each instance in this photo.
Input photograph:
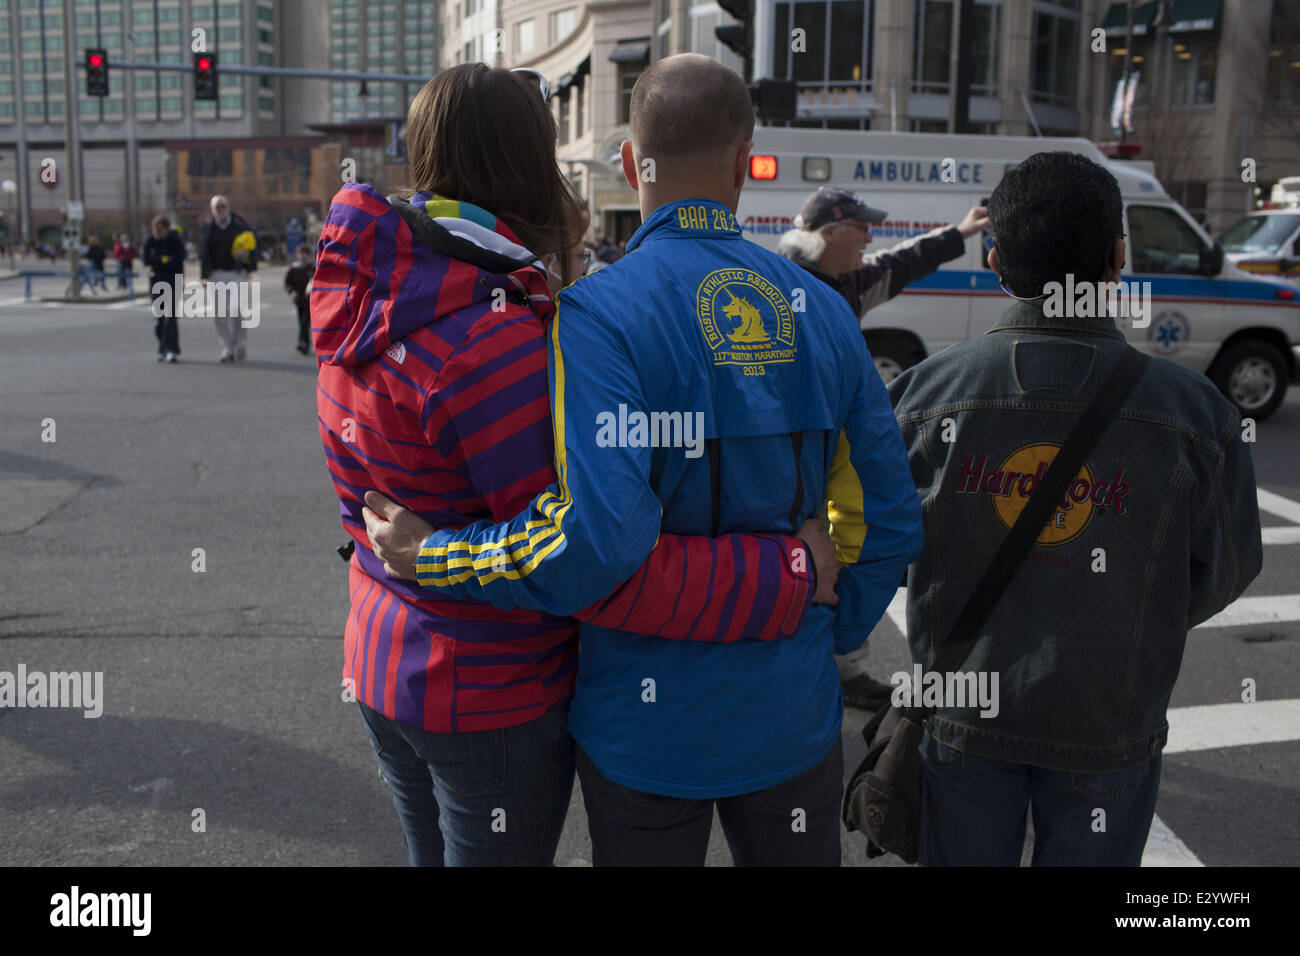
(1240, 329)
(1267, 241)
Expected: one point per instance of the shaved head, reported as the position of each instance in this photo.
(689, 107)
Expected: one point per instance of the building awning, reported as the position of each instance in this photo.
(1185, 16)
(636, 50)
(1189, 15)
(1115, 22)
(572, 79)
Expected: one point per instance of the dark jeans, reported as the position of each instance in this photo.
(793, 823)
(974, 812)
(164, 327)
(304, 325)
(481, 798)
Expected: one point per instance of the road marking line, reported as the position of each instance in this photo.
(128, 304)
(1272, 609)
(1276, 504)
(897, 610)
(1284, 534)
(20, 299)
(1212, 726)
(1165, 849)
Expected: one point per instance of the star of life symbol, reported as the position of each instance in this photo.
(1169, 332)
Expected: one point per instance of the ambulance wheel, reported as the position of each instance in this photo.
(1252, 375)
(893, 355)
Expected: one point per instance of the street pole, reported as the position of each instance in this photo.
(10, 189)
(1128, 63)
(132, 146)
(71, 134)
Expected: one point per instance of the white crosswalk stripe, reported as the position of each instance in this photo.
(1281, 507)
(1165, 849)
(1265, 609)
(1211, 726)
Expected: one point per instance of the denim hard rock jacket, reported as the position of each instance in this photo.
(1159, 532)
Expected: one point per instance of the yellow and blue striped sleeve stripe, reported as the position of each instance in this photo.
(525, 550)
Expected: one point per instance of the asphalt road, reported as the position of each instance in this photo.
(222, 688)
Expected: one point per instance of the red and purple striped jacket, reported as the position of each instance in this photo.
(429, 320)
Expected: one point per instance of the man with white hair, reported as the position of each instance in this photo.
(831, 232)
(226, 255)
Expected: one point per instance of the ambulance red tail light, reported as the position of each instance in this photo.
(762, 167)
(1286, 294)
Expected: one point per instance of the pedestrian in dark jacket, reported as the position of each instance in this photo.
(94, 272)
(1159, 532)
(831, 231)
(164, 255)
(227, 254)
(295, 283)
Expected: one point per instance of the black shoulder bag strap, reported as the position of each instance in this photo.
(1015, 546)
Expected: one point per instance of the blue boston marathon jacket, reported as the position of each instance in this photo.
(698, 327)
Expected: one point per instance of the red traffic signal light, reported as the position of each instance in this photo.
(96, 73)
(205, 76)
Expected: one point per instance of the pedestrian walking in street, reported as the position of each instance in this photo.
(697, 321)
(296, 280)
(1156, 531)
(164, 255)
(227, 255)
(433, 390)
(93, 272)
(125, 254)
(832, 231)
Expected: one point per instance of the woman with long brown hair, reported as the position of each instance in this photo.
(430, 313)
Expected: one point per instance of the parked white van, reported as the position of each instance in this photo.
(1240, 329)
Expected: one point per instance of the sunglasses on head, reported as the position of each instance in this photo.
(542, 83)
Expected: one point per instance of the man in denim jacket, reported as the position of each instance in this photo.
(1158, 532)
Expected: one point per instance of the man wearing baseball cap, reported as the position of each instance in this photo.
(831, 231)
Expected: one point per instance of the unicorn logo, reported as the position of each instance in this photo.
(743, 312)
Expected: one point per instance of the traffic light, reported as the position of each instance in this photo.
(775, 99)
(96, 73)
(739, 37)
(205, 76)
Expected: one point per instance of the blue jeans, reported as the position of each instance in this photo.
(974, 811)
(481, 798)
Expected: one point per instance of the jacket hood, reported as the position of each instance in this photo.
(386, 266)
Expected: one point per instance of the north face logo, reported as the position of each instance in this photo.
(396, 352)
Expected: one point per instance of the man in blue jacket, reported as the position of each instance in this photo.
(700, 384)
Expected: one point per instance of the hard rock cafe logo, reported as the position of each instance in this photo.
(1012, 482)
(745, 319)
